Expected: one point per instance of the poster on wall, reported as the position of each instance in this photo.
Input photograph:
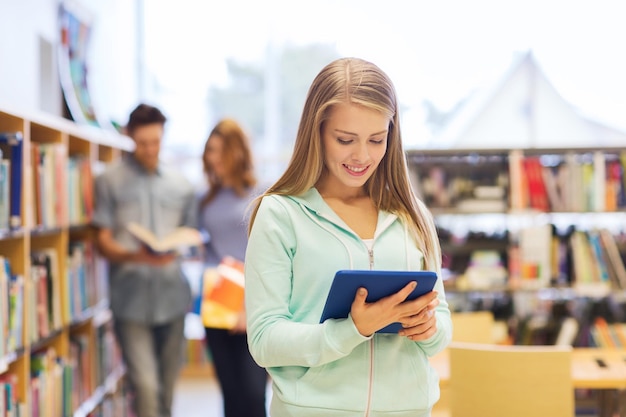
(75, 24)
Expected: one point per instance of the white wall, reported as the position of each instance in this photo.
(27, 70)
(117, 54)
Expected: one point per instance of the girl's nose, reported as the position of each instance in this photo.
(360, 152)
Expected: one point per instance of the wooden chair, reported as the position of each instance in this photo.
(470, 326)
(510, 381)
(473, 327)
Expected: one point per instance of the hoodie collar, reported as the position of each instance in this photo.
(313, 201)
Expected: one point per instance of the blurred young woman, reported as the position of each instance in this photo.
(232, 185)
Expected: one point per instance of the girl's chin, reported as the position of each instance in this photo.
(355, 182)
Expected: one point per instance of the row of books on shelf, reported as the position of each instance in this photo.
(590, 261)
(587, 260)
(86, 277)
(61, 186)
(38, 299)
(107, 378)
(108, 355)
(114, 404)
(566, 182)
(61, 386)
(196, 353)
(554, 319)
(608, 335)
(50, 381)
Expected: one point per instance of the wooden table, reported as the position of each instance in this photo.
(592, 368)
(604, 370)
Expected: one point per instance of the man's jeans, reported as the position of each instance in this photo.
(153, 357)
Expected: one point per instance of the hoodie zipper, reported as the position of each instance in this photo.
(370, 384)
(370, 253)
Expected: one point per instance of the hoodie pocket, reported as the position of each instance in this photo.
(403, 377)
(340, 385)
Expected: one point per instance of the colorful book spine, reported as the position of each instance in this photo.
(8, 396)
(16, 312)
(14, 142)
(4, 309)
(537, 193)
(5, 193)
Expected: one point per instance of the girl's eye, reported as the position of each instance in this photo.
(377, 141)
(344, 141)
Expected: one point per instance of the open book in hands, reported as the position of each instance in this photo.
(181, 237)
(222, 294)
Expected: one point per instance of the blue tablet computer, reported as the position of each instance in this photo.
(379, 284)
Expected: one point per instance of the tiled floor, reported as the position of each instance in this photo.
(199, 397)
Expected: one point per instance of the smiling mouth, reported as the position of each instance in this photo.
(354, 170)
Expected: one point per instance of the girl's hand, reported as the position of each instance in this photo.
(370, 317)
(422, 325)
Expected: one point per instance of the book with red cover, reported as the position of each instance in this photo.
(537, 193)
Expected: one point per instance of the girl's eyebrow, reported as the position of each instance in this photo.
(345, 132)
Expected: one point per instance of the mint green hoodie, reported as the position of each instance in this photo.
(295, 247)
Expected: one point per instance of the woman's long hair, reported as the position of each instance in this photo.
(356, 81)
(236, 160)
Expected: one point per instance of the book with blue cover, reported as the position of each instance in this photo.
(11, 145)
(5, 193)
(379, 284)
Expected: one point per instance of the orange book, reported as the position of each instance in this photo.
(228, 290)
(222, 294)
(86, 187)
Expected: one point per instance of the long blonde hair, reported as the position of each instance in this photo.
(356, 81)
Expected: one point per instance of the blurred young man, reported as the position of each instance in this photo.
(149, 295)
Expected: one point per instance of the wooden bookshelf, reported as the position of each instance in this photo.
(197, 361)
(57, 350)
(203, 371)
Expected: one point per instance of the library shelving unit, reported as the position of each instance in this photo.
(197, 361)
(57, 349)
(527, 232)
